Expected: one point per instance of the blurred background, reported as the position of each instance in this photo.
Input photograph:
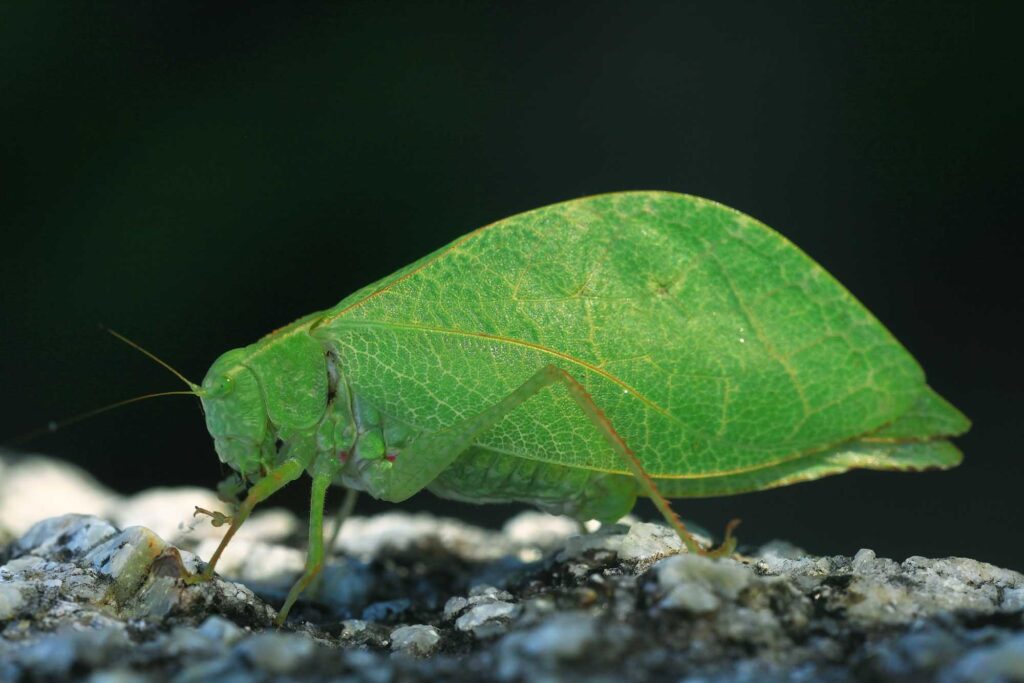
(195, 175)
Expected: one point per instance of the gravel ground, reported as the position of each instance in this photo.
(90, 589)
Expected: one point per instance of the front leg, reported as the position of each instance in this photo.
(324, 469)
(276, 479)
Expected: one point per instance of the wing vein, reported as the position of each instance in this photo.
(530, 345)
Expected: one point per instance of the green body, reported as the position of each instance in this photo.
(725, 357)
(575, 357)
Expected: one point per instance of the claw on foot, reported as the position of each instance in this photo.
(199, 577)
(728, 543)
(219, 518)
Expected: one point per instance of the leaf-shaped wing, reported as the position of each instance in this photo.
(712, 343)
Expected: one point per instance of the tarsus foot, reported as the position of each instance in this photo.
(200, 577)
(219, 518)
(728, 543)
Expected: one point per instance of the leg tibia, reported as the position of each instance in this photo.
(431, 453)
(579, 394)
(645, 482)
(276, 479)
(323, 472)
(343, 513)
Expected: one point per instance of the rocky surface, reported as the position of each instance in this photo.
(98, 597)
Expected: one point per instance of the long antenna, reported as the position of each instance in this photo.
(54, 425)
(152, 356)
(193, 390)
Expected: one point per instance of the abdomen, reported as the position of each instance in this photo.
(481, 475)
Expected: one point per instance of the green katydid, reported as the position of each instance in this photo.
(575, 357)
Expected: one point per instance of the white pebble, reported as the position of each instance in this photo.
(12, 599)
(691, 597)
(278, 653)
(646, 542)
(454, 606)
(539, 528)
(480, 615)
(563, 636)
(863, 559)
(418, 640)
(67, 489)
(697, 584)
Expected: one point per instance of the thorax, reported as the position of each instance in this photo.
(355, 432)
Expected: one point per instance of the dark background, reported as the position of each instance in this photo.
(195, 176)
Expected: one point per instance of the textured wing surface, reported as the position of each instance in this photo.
(712, 343)
(911, 456)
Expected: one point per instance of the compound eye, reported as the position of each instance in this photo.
(221, 386)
